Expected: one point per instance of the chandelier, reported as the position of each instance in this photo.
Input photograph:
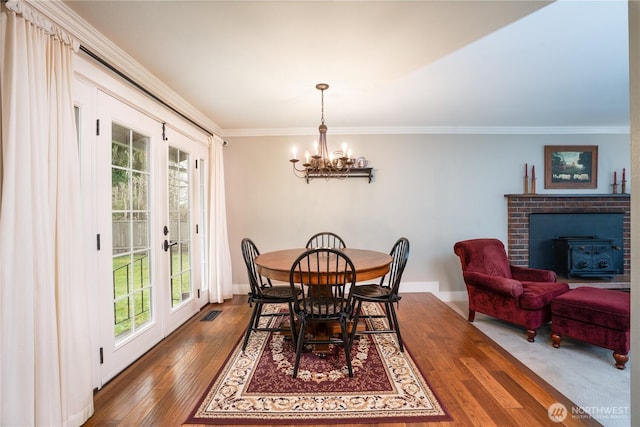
(325, 164)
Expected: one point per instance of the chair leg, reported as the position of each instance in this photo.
(387, 311)
(299, 344)
(357, 307)
(621, 359)
(258, 314)
(472, 315)
(353, 307)
(254, 318)
(292, 324)
(396, 326)
(346, 344)
(531, 335)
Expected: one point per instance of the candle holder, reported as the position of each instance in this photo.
(533, 186)
(526, 185)
(615, 188)
(624, 187)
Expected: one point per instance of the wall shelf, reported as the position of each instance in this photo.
(353, 173)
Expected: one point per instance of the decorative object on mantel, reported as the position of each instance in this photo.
(533, 179)
(526, 179)
(623, 182)
(324, 164)
(571, 166)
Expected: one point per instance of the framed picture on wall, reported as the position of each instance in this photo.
(570, 166)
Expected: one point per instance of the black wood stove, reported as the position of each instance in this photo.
(585, 256)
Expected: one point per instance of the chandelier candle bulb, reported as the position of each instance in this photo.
(293, 152)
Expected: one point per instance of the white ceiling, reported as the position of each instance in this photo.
(392, 66)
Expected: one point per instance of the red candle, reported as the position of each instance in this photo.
(533, 172)
(624, 178)
(614, 177)
(526, 170)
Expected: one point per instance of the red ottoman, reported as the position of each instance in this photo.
(598, 316)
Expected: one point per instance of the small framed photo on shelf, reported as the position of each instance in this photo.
(571, 166)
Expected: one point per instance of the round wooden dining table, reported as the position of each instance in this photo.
(368, 264)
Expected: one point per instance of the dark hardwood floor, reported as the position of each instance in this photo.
(479, 383)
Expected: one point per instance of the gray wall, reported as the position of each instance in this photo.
(433, 189)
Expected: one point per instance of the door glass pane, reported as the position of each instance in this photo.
(120, 189)
(140, 230)
(139, 190)
(179, 220)
(132, 287)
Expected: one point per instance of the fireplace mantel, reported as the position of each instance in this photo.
(569, 196)
(520, 206)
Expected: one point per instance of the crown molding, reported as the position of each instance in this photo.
(439, 130)
(106, 50)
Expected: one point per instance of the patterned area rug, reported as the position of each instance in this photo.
(256, 386)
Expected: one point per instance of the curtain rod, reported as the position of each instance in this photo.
(142, 88)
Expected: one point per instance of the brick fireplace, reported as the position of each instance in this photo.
(521, 206)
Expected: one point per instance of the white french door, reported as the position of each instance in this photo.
(183, 230)
(147, 203)
(129, 266)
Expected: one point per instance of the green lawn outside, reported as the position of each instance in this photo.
(132, 290)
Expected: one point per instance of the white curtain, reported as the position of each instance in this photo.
(220, 281)
(45, 354)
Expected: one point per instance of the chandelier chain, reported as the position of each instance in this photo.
(322, 106)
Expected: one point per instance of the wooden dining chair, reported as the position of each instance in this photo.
(384, 293)
(263, 292)
(325, 273)
(325, 239)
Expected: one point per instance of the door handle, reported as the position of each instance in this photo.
(166, 245)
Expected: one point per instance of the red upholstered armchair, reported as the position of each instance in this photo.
(518, 295)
